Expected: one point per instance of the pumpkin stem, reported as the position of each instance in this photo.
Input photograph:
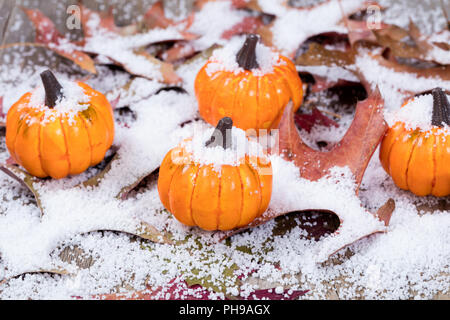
(441, 108)
(53, 89)
(246, 57)
(220, 136)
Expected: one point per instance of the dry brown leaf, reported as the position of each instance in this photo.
(61, 272)
(25, 179)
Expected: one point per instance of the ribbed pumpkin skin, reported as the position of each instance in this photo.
(198, 195)
(253, 102)
(57, 148)
(417, 161)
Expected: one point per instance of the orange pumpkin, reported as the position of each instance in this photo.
(47, 141)
(214, 197)
(419, 160)
(254, 100)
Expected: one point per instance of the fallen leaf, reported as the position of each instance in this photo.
(95, 180)
(149, 232)
(318, 55)
(61, 272)
(291, 16)
(155, 17)
(384, 213)
(411, 44)
(144, 231)
(167, 69)
(178, 289)
(247, 25)
(354, 150)
(105, 22)
(132, 57)
(48, 36)
(25, 179)
(271, 294)
(175, 289)
(180, 50)
(308, 121)
(75, 254)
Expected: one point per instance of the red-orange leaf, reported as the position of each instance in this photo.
(155, 17)
(179, 51)
(308, 121)
(48, 35)
(354, 150)
(247, 25)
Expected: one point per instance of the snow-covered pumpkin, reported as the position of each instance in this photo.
(58, 131)
(415, 151)
(251, 84)
(219, 182)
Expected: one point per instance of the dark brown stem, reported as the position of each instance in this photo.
(441, 108)
(53, 89)
(220, 136)
(246, 57)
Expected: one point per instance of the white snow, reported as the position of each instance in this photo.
(409, 259)
(224, 59)
(294, 26)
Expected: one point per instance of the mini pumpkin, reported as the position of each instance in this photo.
(49, 138)
(419, 160)
(214, 196)
(252, 98)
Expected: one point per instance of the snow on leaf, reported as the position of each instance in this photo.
(354, 150)
(166, 69)
(398, 81)
(155, 17)
(316, 168)
(48, 35)
(25, 179)
(57, 271)
(329, 68)
(102, 37)
(418, 47)
(145, 231)
(305, 22)
(228, 275)
(359, 30)
(132, 92)
(180, 50)
(318, 55)
(75, 254)
(95, 180)
(105, 21)
(149, 232)
(176, 289)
